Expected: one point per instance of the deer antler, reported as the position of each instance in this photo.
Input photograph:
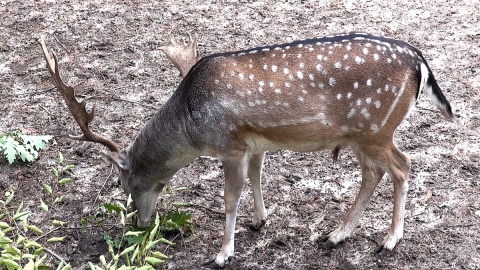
(183, 56)
(77, 109)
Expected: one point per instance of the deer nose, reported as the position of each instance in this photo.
(142, 224)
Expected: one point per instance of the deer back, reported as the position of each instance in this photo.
(305, 95)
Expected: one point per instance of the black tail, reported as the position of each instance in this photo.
(433, 90)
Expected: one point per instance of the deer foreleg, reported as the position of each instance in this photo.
(254, 174)
(235, 168)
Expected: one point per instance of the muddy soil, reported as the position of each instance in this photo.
(109, 50)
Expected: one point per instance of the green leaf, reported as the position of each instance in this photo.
(29, 266)
(12, 250)
(60, 157)
(32, 244)
(47, 188)
(59, 199)
(153, 260)
(56, 239)
(10, 264)
(35, 229)
(128, 250)
(20, 215)
(55, 171)
(165, 241)
(134, 233)
(39, 142)
(68, 167)
(5, 240)
(116, 243)
(58, 223)
(180, 189)
(65, 181)
(43, 205)
(9, 195)
(112, 207)
(26, 154)
(9, 149)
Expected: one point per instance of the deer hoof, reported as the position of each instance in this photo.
(382, 250)
(326, 243)
(256, 226)
(212, 265)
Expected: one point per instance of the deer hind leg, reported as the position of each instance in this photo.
(235, 167)
(371, 176)
(399, 170)
(254, 174)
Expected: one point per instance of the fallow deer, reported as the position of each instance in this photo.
(325, 93)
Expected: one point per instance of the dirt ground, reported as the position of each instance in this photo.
(109, 50)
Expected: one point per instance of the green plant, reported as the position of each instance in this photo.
(18, 251)
(13, 144)
(135, 247)
(60, 170)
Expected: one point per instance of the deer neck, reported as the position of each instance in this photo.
(163, 146)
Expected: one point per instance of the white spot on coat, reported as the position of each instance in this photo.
(337, 65)
(359, 60)
(274, 68)
(355, 85)
(332, 81)
(365, 113)
(378, 104)
(369, 82)
(300, 75)
(351, 113)
(251, 77)
(339, 96)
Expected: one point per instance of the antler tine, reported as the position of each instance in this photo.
(77, 109)
(183, 56)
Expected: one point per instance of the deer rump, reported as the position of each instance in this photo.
(327, 93)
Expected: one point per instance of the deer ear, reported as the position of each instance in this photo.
(118, 159)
